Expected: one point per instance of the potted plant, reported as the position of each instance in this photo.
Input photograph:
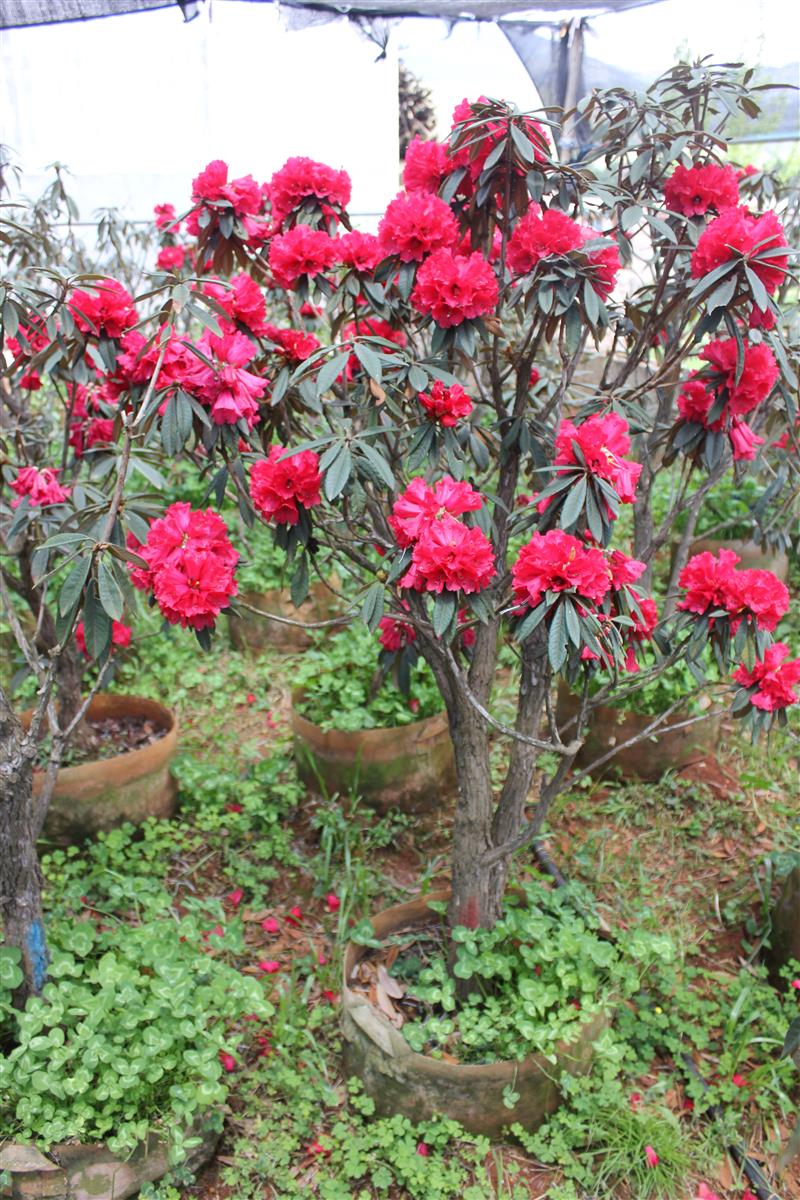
(406, 443)
(360, 727)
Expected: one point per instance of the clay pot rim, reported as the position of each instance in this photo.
(163, 748)
(427, 727)
(503, 1070)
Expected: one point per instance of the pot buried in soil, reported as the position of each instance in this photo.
(130, 786)
(784, 938)
(649, 759)
(254, 634)
(74, 1171)
(408, 767)
(420, 1087)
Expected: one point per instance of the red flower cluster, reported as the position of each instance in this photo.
(40, 486)
(453, 289)
(171, 258)
(231, 393)
(190, 565)
(165, 218)
(447, 405)
(603, 440)
(243, 301)
(558, 562)
(109, 310)
(294, 344)
(425, 166)
(86, 429)
(281, 487)
(419, 506)
(774, 679)
(29, 341)
(244, 197)
(713, 583)
(302, 178)
(361, 251)
(395, 635)
(447, 555)
(302, 251)
(737, 233)
(450, 556)
(759, 374)
(539, 235)
(120, 636)
(692, 191)
(473, 154)
(414, 225)
(700, 392)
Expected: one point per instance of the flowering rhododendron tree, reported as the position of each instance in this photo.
(413, 405)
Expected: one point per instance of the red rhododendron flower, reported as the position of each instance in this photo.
(739, 1081)
(422, 1150)
(235, 897)
(107, 310)
(420, 505)
(396, 635)
(539, 235)
(775, 677)
(231, 393)
(468, 633)
(425, 165)
(40, 486)
(795, 984)
(557, 562)
(474, 153)
(227, 1060)
(269, 966)
(738, 234)
(452, 288)
(542, 234)
(243, 196)
(744, 442)
(624, 570)
(449, 556)
(270, 925)
(333, 902)
(414, 225)
(190, 565)
(295, 915)
(295, 344)
(534, 378)
(120, 636)
(302, 251)
(300, 179)
(758, 594)
(651, 1156)
(361, 251)
(707, 581)
(165, 217)
(171, 258)
(759, 374)
(280, 487)
(691, 191)
(635, 1100)
(243, 301)
(447, 405)
(603, 440)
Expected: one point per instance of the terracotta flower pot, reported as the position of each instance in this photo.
(420, 1087)
(648, 759)
(130, 786)
(751, 554)
(74, 1171)
(254, 634)
(409, 767)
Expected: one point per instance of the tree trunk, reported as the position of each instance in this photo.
(476, 898)
(20, 876)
